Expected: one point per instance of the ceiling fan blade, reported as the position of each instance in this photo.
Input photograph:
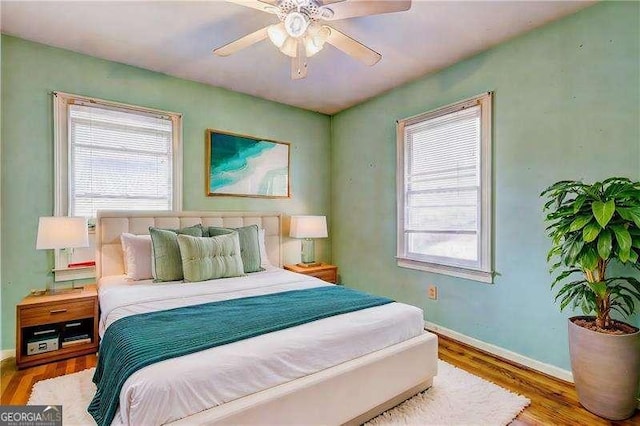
(268, 6)
(299, 63)
(353, 8)
(242, 42)
(353, 47)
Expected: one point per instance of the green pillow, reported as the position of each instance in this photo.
(249, 248)
(210, 258)
(166, 264)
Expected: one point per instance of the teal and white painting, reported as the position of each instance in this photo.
(245, 166)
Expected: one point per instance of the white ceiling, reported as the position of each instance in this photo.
(176, 38)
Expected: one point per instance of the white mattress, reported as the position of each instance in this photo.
(176, 388)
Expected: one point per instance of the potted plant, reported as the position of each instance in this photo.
(592, 228)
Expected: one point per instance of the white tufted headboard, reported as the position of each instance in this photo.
(110, 224)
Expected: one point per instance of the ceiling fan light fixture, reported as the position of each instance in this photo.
(315, 39)
(290, 47)
(310, 47)
(296, 24)
(277, 34)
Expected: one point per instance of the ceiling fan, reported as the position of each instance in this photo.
(301, 32)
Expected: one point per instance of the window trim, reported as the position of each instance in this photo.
(61, 154)
(484, 272)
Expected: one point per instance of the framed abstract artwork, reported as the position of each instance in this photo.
(245, 166)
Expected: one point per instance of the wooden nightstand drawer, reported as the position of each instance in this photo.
(56, 312)
(329, 275)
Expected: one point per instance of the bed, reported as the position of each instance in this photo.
(343, 369)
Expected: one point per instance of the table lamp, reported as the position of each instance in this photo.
(308, 228)
(62, 232)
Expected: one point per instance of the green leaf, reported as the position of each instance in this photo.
(564, 275)
(593, 191)
(571, 295)
(556, 250)
(579, 222)
(566, 289)
(558, 185)
(618, 309)
(630, 214)
(586, 307)
(600, 289)
(578, 202)
(604, 244)
(572, 250)
(630, 193)
(603, 212)
(623, 256)
(589, 259)
(633, 256)
(632, 281)
(623, 237)
(590, 232)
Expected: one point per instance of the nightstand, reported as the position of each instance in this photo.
(56, 326)
(325, 271)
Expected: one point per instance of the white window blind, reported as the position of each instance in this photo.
(118, 160)
(443, 189)
(442, 186)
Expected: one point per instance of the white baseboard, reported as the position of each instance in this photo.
(7, 353)
(545, 368)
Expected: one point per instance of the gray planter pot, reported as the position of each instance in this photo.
(606, 370)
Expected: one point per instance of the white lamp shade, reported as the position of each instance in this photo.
(62, 232)
(308, 227)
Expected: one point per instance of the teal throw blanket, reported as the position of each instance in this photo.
(134, 342)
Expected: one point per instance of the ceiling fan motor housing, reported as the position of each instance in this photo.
(312, 10)
(296, 24)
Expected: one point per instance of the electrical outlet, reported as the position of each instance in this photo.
(432, 292)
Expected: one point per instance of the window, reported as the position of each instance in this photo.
(444, 190)
(116, 157)
(112, 156)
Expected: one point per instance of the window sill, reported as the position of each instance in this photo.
(470, 274)
(77, 273)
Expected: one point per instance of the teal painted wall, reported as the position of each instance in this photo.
(566, 106)
(31, 71)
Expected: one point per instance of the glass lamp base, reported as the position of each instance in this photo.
(308, 253)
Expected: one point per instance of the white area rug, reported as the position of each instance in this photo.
(456, 398)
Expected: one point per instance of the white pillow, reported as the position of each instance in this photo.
(137, 256)
(264, 259)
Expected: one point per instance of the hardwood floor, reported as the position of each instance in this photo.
(553, 402)
(16, 384)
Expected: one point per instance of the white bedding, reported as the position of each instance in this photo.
(176, 388)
